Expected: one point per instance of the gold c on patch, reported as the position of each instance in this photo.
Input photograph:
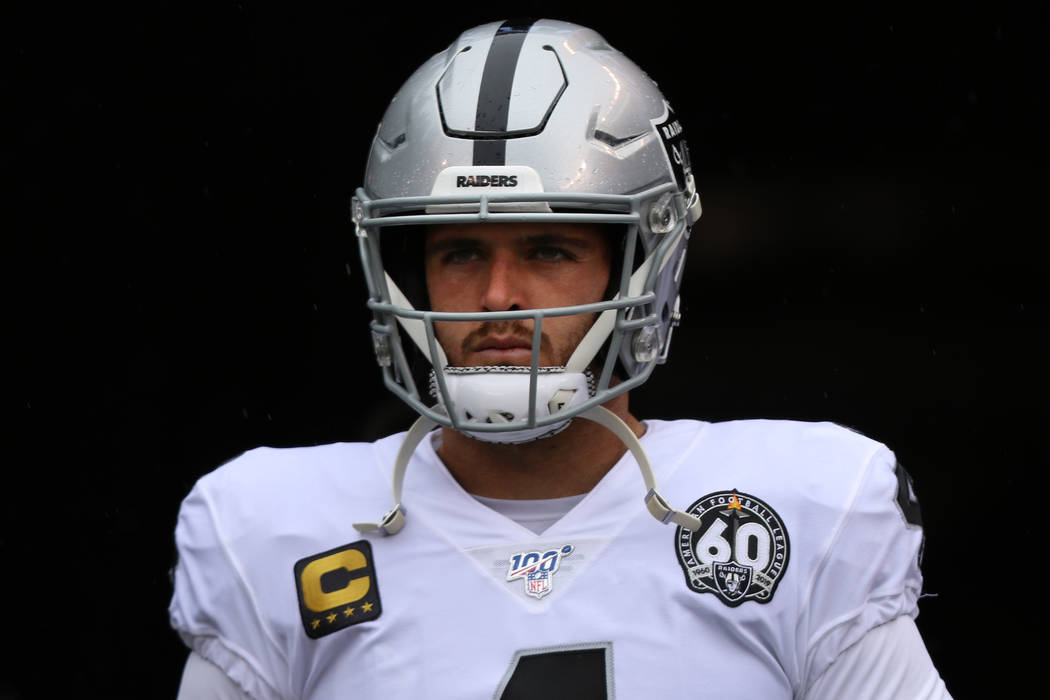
(337, 589)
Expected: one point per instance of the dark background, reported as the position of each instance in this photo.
(182, 284)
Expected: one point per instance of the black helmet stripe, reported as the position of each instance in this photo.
(494, 95)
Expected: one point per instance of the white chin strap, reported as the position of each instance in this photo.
(393, 521)
(483, 396)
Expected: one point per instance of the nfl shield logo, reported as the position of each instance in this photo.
(538, 583)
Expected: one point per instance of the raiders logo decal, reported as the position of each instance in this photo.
(337, 589)
(672, 135)
(741, 551)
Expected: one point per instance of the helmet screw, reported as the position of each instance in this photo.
(381, 346)
(662, 215)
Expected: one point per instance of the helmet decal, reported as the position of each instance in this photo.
(494, 97)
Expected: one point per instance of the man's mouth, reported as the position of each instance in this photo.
(501, 344)
(504, 343)
(503, 350)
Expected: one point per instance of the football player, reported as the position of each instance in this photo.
(523, 227)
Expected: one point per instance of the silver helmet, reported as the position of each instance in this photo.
(538, 121)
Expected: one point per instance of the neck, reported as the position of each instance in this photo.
(567, 464)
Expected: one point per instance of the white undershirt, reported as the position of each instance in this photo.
(534, 514)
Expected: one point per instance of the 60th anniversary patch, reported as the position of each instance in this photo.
(740, 551)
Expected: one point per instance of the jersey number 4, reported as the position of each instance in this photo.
(576, 672)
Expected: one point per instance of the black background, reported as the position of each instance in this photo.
(182, 284)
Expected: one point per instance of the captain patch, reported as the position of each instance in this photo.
(740, 551)
(337, 589)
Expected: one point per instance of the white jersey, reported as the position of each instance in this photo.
(810, 538)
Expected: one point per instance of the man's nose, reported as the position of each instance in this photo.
(503, 290)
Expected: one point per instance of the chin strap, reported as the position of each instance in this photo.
(654, 502)
(393, 521)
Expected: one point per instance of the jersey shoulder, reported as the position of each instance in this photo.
(821, 472)
(799, 464)
(793, 437)
(807, 462)
(852, 536)
(239, 534)
(265, 486)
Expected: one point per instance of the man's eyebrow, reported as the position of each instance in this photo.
(457, 243)
(538, 239)
(558, 239)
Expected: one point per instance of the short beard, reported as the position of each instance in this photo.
(518, 329)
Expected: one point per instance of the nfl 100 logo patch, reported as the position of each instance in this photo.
(537, 569)
(740, 551)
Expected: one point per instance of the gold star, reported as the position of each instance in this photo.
(315, 623)
(331, 617)
(348, 611)
(367, 607)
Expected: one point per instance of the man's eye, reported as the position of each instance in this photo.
(461, 255)
(551, 253)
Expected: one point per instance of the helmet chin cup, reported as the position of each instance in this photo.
(480, 401)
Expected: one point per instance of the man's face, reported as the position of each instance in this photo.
(512, 266)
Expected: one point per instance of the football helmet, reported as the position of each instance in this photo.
(532, 121)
